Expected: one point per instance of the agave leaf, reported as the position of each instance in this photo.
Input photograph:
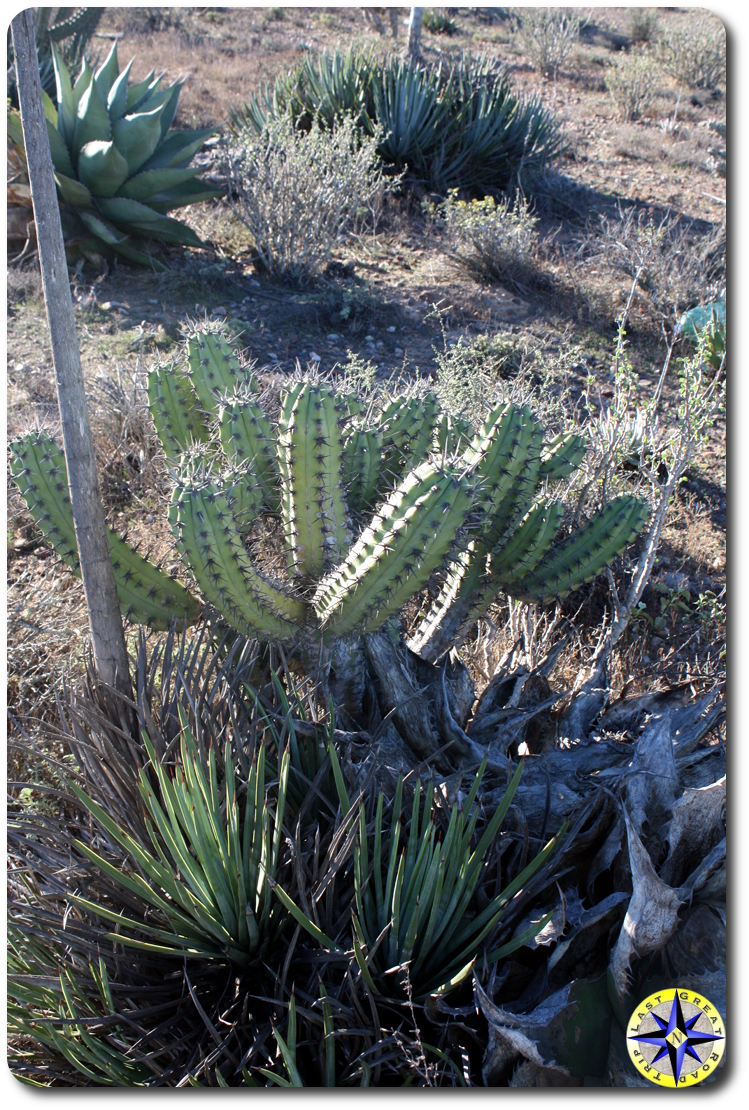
(125, 248)
(73, 192)
(91, 121)
(58, 150)
(102, 168)
(147, 184)
(190, 193)
(137, 92)
(177, 149)
(84, 79)
(142, 220)
(103, 230)
(117, 98)
(137, 136)
(108, 73)
(50, 111)
(65, 103)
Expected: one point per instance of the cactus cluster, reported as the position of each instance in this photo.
(118, 168)
(370, 505)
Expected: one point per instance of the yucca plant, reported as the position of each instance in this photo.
(414, 901)
(456, 125)
(368, 508)
(118, 169)
(209, 874)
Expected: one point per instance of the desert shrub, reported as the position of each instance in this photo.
(643, 24)
(297, 191)
(548, 36)
(696, 55)
(717, 160)
(630, 81)
(675, 267)
(491, 240)
(455, 125)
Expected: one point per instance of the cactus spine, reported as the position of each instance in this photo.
(215, 369)
(247, 439)
(360, 468)
(146, 594)
(176, 412)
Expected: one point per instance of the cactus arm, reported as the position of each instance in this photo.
(214, 368)
(561, 457)
(512, 479)
(145, 593)
(202, 520)
(248, 440)
(399, 424)
(360, 468)
(587, 551)
(528, 543)
(318, 518)
(395, 555)
(176, 411)
(466, 578)
(418, 446)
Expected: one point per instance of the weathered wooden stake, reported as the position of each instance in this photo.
(110, 654)
(413, 43)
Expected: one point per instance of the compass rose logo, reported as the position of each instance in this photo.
(676, 1038)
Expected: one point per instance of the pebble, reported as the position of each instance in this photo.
(391, 328)
(314, 356)
(150, 518)
(219, 311)
(369, 339)
(332, 337)
(656, 643)
(398, 350)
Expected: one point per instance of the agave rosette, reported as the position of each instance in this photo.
(118, 169)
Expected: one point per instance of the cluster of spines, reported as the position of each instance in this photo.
(214, 368)
(145, 593)
(452, 434)
(203, 521)
(176, 412)
(313, 501)
(248, 441)
(394, 556)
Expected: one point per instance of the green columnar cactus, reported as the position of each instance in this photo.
(366, 519)
(146, 594)
(117, 167)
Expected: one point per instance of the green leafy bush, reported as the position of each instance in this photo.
(118, 168)
(439, 23)
(492, 241)
(456, 125)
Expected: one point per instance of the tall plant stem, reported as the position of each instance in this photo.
(108, 641)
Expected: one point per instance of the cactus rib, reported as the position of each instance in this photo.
(145, 593)
(247, 439)
(587, 551)
(360, 467)
(317, 524)
(395, 555)
(562, 456)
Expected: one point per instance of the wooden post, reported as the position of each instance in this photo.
(108, 641)
(413, 43)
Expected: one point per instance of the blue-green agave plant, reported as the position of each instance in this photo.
(118, 168)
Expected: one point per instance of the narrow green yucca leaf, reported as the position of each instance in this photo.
(428, 890)
(211, 875)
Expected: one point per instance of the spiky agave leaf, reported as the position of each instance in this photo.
(145, 593)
